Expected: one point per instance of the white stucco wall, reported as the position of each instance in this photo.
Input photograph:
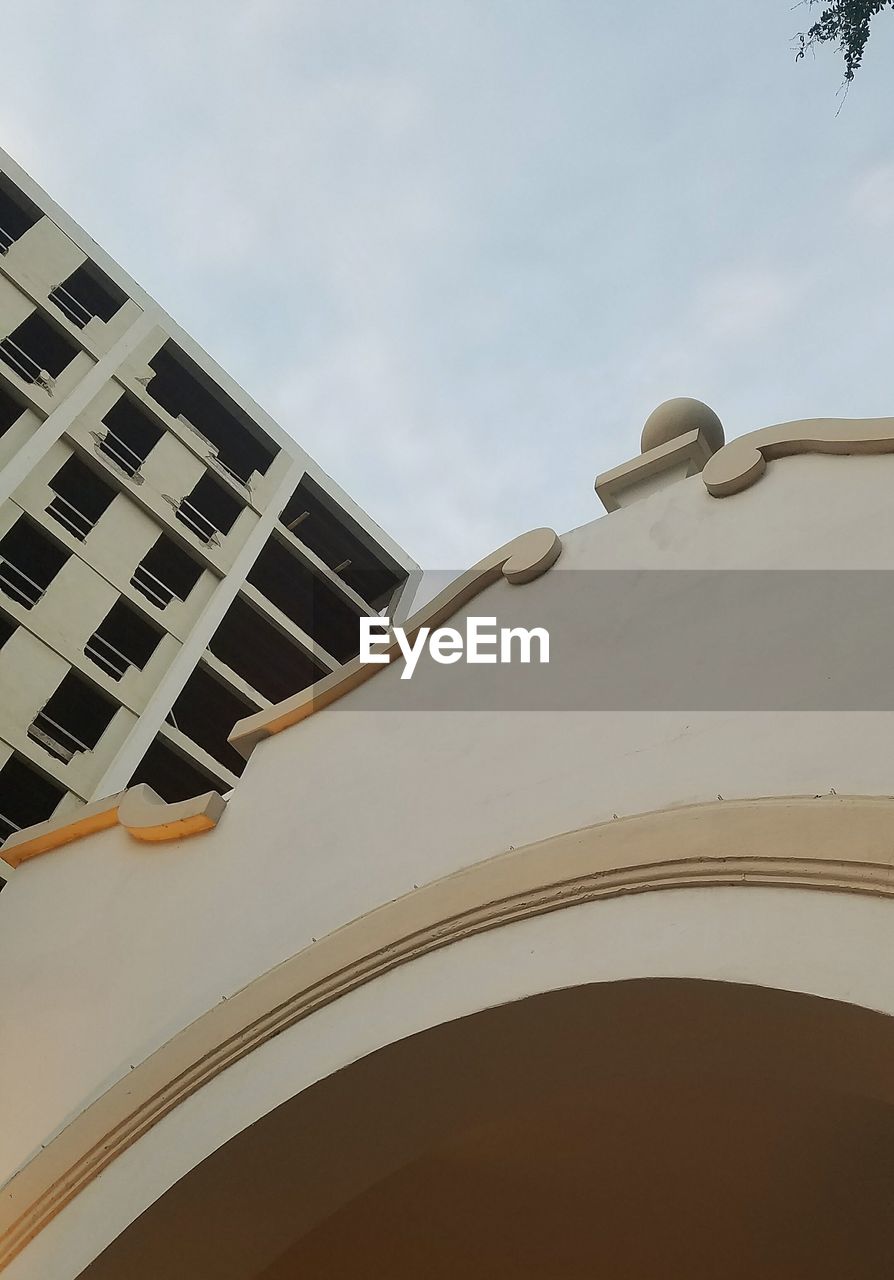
(835, 946)
(108, 948)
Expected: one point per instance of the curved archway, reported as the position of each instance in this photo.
(582, 907)
(669, 1127)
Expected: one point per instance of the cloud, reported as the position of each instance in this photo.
(461, 251)
(744, 302)
(872, 202)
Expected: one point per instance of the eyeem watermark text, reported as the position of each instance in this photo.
(481, 642)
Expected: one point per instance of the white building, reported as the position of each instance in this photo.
(565, 971)
(170, 559)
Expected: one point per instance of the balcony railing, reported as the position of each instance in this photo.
(68, 515)
(152, 588)
(105, 655)
(69, 306)
(121, 454)
(218, 462)
(7, 828)
(201, 526)
(6, 240)
(18, 585)
(55, 738)
(25, 366)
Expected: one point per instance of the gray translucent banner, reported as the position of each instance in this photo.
(715, 640)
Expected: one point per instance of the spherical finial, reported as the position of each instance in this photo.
(675, 417)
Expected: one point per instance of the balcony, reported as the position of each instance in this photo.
(308, 600)
(166, 572)
(261, 654)
(210, 511)
(26, 796)
(239, 445)
(10, 411)
(206, 711)
(172, 774)
(55, 738)
(74, 719)
(80, 498)
(37, 352)
(130, 436)
(17, 214)
(29, 561)
(123, 639)
(317, 521)
(86, 294)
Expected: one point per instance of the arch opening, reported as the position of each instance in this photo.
(643, 1128)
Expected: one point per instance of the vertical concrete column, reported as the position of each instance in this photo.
(74, 403)
(144, 731)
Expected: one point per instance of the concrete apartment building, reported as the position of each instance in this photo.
(170, 559)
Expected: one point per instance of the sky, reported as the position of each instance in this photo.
(460, 249)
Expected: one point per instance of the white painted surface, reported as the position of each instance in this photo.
(110, 947)
(837, 946)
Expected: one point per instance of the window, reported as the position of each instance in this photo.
(26, 796)
(130, 436)
(164, 572)
(123, 639)
(172, 775)
(206, 711)
(73, 720)
(209, 510)
(7, 628)
(181, 388)
(308, 600)
(35, 349)
(17, 213)
(263, 655)
(10, 411)
(29, 561)
(341, 544)
(88, 292)
(81, 498)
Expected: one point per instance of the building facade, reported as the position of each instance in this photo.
(574, 969)
(170, 559)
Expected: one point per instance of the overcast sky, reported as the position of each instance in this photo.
(462, 248)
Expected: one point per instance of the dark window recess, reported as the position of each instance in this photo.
(26, 796)
(166, 571)
(172, 775)
(7, 627)
(88, 292)
(10, 411)
(123, 639)
(340, 543)
(29, 561)
(130, 437)
(81, 497)
(309, 601)
(209, 509)
(206, 712)
(17, 213)
(257, 651)
(73, 720)
(181, 388)
(36, 348)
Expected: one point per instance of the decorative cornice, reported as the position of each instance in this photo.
(140, 810)
(519, 561)
(838, 843)
(684, 455)
(738, 464)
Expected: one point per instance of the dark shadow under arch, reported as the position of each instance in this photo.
(650, 1128)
